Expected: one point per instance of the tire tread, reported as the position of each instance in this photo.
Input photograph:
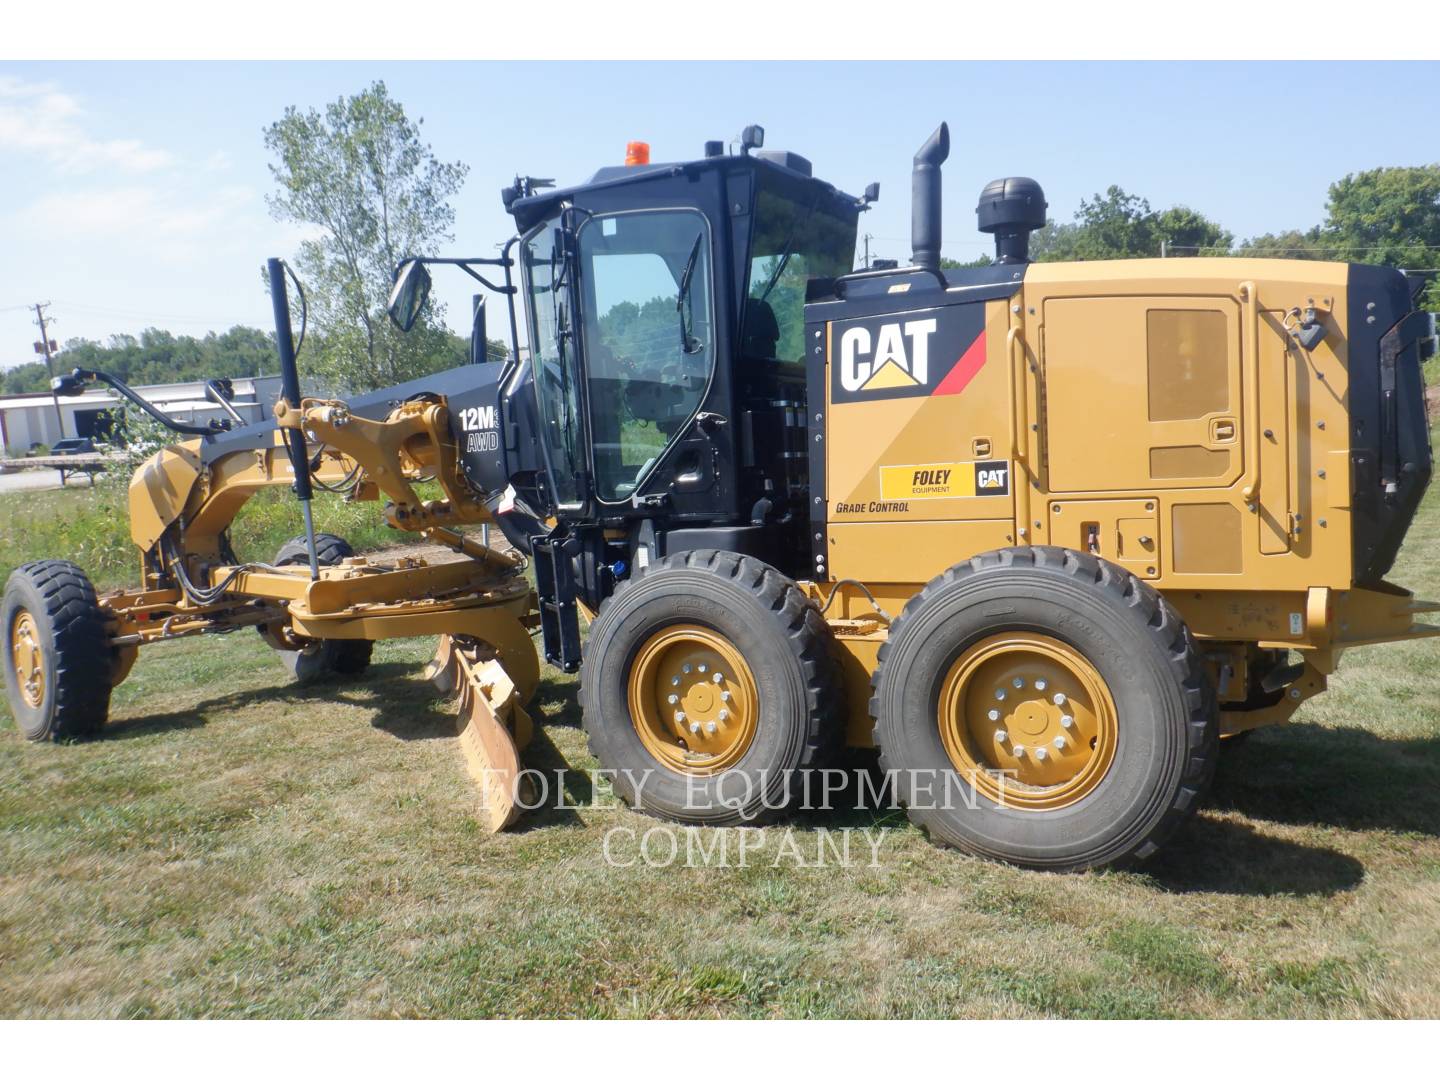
(1126, 591)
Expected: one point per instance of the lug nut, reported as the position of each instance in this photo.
(724, 695)
(710, 728)
(1059, 742)
(993, 714)
(1059, 699)
(702, 669)
(685, 668)
(1041, 754)
(1000, 736)
(679, 716)
(1019, 750)
(724, 714)
(673, 699)
(1040, 685)
(1000, 695)
(675, 681)
(694, 728)
(717, 677)
(1019, 684)
(1067, 722)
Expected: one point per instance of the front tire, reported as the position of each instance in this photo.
(1045, 708)
(708, 689)
(58, 659)
(321, 659)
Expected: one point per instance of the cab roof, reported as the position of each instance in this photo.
(530, 210)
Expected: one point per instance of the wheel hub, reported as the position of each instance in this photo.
(29, 659)
(692, 699)
(1028, 721)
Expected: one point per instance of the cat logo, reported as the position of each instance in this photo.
(887, 362)
(933, 352)
(992, 479)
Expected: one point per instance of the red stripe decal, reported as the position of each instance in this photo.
(965, 369)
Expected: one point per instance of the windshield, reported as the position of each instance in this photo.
(554, 360)
(793, 242)
(649, 338)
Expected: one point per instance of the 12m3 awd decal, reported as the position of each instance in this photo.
(945, 480)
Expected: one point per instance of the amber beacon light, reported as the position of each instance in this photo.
(637, 153)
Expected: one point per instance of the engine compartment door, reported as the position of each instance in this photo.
(1141, 392)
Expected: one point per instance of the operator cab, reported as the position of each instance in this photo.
(661, 407)
(665, 311)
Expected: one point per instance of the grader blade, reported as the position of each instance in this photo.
(492, 726)
(442, 670)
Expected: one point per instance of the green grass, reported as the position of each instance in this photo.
(236, 846)
(91, 527)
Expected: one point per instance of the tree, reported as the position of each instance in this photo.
(1118, 225)
(1189, 232)
(1292, 244)
(361, 175)
(1388, 216)
(969, 264)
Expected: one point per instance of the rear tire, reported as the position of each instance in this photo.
(1111, 769)
(320, 659)
(760, 641)
(58, 659)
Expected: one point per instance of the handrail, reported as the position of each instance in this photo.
(215, 390)
(1019, 440)
(1250, 295)
(73, 384)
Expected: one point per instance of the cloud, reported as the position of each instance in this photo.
(40, 119)
(141, 211)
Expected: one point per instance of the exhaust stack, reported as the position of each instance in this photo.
(925, 199)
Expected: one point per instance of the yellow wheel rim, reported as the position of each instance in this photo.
(1028, 721)
(29, 659)
(692, 700)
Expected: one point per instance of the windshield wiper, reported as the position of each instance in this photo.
(684, 294)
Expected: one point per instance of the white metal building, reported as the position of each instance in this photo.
(28, 420)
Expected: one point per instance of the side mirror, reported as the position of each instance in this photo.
(478, 343)
(411, 290)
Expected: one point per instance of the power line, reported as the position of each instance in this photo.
(1340, 249)
(97, 310)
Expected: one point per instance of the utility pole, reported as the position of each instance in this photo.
(868, 238)
(1163, 252)
(44, 347)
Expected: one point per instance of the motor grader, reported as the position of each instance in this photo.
(1042, 534)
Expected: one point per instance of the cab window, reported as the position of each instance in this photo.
(794, 240)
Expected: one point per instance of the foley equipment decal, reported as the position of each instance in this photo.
(945, 480)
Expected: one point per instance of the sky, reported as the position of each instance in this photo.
(133, 194)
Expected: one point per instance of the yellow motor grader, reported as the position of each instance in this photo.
(1041, 534)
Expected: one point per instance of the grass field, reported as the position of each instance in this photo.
(91, 526)
(235, 846)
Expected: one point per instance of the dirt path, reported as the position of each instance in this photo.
(432, 553)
